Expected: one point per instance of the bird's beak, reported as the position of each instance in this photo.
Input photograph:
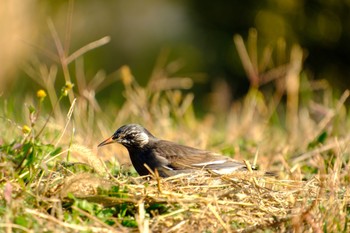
(107, 141)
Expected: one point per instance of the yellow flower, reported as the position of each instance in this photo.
(41, 94)
(26, 129)
(126, 75)
(67, 88)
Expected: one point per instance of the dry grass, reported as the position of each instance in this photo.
(201, 202)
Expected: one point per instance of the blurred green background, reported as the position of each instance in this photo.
(197, 36)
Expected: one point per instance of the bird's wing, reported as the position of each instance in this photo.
(179, 157)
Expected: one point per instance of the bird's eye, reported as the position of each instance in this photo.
(129, 137)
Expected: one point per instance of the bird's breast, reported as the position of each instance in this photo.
(139, 158)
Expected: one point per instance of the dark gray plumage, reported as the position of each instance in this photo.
(168, 157)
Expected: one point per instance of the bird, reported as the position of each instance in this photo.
(168, 158)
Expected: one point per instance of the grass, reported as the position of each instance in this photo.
(53, 178)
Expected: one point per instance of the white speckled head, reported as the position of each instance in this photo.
(132, 135)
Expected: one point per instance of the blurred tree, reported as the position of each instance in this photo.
(321, 27)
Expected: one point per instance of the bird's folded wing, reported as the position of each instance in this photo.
(178, 157)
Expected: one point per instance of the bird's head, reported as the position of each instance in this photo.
(130, 136)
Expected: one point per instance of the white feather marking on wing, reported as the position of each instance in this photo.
(169, 168)
(210, 163)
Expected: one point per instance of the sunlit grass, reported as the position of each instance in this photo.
(53, 178)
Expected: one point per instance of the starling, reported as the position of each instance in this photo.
(168, 158)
